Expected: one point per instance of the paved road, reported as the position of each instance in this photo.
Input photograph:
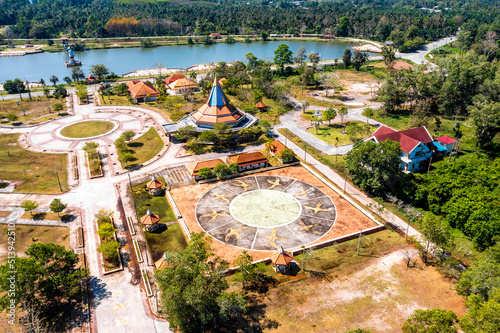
(418, 56)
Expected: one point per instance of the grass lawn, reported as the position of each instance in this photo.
(37, 170)
(114, 100)
(166, 239)
(335, 162)
(351, 291)
(144, 148)
(39, 106)
(157, 204)
(328, 133)
(87, 129)
(31, 234)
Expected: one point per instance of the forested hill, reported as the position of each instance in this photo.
(399, 21)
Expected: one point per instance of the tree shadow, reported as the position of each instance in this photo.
(135, 144)
(254, 320)
(99, 291)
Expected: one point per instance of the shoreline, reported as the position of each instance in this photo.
(135, 42)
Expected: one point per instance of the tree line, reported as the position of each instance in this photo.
(406, 25)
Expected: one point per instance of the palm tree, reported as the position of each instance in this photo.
(54, 79)
(91, 147)
(42, 82)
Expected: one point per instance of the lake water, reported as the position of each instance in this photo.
(122, 61)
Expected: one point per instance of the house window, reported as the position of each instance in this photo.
(417, 153)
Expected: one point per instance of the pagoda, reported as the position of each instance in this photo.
(217, 110)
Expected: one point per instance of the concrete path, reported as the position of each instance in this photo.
(418, 56)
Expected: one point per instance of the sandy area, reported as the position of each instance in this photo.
(349, 219)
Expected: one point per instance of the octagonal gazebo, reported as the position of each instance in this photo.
(150, 221)
(281, 260)
(155, 186)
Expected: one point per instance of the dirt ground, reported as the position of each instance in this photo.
(358, 89)
(397, 65)
(379, 296)
(349, 219)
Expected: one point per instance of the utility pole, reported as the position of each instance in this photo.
(359, 240)
(305, 154)
(407, 229)
(345, 182)
(57, 174)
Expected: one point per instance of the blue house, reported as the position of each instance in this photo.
(417, 146)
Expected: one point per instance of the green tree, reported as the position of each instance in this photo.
(29, 205)
(221, 170)
(264, 35)
(99, 70)
(103, 215)
(435, 232)
(14, 86)
(127, 135)
(106, 230)
(347, 58)
(307, 76)
(368, 113)
(194, 296)
(109, 249)
(81, 92)
(342, 112)
(57, 206)
(389, 56)
(58, 107)
(485, 117)
(205, 173)
(481, 279)
(282, 56)
(233, 168)
(90, 148)
(126, 157)
(120, 145)
(68, 80)
(329, 114)
(300, 55)
(434, 320)
(482, 317)
(77, 74)
(46, 280)
(185, 133)
(374, 167)
(286, 155)
(12, 117)
(54, 79)
(359, 59)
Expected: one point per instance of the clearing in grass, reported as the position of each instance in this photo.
(36, 170)
(143, 149)
(87, 129)
(31, 234)
(157, 204)
(165, 239)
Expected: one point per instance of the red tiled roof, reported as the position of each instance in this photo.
(141, 89)
(260, 105)
(408, 139)
(248, 159)
(154, 184)
(277, 146)
(182, 84)
(173, 78)
(194, 168)
(279, 258)
(150, 219)
(446, 140)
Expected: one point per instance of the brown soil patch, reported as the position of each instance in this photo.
(397, 65)
(4, 213)
(349, 219)
(379, 296)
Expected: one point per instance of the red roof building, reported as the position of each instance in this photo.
(249, 161)
(173, 78)
(447, 142)
(194, 168)
(281, 260)
(140, 90)
(416, 145)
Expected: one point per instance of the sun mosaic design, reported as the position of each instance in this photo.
(265, 212)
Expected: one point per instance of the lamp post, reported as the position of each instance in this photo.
(305, 154)
(345, 181)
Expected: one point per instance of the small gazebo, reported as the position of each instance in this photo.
(281, 260)
(261, 106)
(155, 186)
(150, 221)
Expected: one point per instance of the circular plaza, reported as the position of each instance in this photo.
(265, 212)
(71, 133)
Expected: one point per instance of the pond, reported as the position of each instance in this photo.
(125, 60)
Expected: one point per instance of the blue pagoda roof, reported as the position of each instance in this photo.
(216, 96)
